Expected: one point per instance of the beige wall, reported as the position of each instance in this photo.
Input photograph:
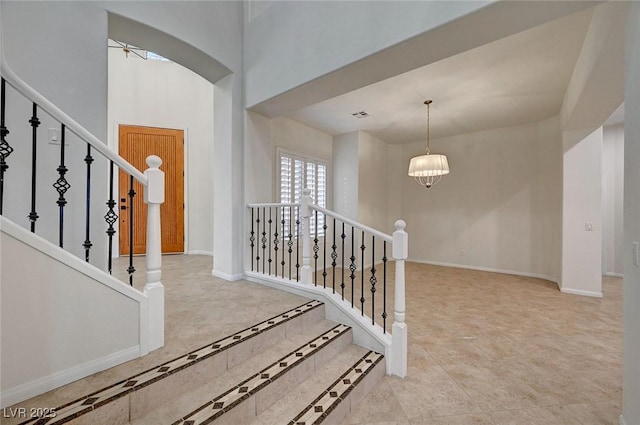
(498, 209)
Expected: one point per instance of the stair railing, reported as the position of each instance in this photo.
(317, 247)
(152, 181)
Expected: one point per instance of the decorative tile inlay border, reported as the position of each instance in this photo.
(86, 404)
(215, 408)
(320, 408)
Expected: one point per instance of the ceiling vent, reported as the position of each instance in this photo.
(361, 114)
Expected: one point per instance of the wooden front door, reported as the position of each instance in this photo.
(136, 143)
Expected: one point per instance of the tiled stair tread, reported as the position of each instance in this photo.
(291, 404)
(140, 380)
(187, 402)
(337, 393)
(221, 404)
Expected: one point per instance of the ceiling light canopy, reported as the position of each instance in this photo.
(428, 169)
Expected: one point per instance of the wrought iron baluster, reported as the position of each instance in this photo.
(257, 245)
(316, 248)
(324, 256)
(270, 221)
(132, 194)
(264, 237)
(276, 241)
(298, 245)
(362, 248)
(61, 185)
(342, 285)
(352, 266)
(290, 242)
(334, 256)
(111, 217)
(252, 239)
(373, 279)
(5, 148)
(35, 122)
(282, 222)
(88, 159)
(384, 287)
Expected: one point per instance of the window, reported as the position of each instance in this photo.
(296, 173)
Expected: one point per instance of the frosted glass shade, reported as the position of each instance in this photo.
(429, 165)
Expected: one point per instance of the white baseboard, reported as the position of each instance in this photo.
(198, 252)
(622, 422)
(581, 292)
(11, 396)
(227, 276)
(487, 269)
(609, 274)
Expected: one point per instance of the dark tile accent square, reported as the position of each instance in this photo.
(163, 369)
(90, 401)
(333, 394)
(271, 322)
(346, 381)
(189, 422)
(255, 329)
(325, 338)
(283, 364)
(192, 356)
(218, 405)
(237, 337)
(313, 345)
(298, 310)
(264, 376)
(368, 361)
(358, 370)
(318, 409)
(286, 316)
(298, 354)
(130, 384)
(243, 389)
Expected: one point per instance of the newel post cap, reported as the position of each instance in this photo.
(154, 161)
(400, 241)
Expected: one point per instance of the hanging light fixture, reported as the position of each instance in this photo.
(428, 169)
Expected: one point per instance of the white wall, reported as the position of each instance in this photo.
(373, 177)
(346, 175)
(631, 281)
(612, 199)
(164, 94)
(59, 324)
(498, 209)
(582, 206)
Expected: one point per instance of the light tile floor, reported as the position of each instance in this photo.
(484, 348)
(487, 348)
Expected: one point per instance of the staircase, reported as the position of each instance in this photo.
(296, 367)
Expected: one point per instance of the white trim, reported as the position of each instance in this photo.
(227, 276)
(488, 269)
(336, 309)
(609, 274)
(622, 422)
(581, 292)
(198, 252)
(186, 224)
(69, 259)
(41, 385)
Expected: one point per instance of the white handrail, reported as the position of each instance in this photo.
(27, 91)
(353, 223)
(271, 204)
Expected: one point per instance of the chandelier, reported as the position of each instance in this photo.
(428, 169)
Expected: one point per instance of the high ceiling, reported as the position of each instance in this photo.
(518, 79)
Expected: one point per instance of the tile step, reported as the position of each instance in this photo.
(188, 401)
(133, 397)
(255, 394)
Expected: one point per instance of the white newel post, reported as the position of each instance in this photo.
(154, 197)
(399, 330)
(305, 213)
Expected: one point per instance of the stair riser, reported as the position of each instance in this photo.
(266, 396)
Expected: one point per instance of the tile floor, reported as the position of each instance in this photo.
(484, 348)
